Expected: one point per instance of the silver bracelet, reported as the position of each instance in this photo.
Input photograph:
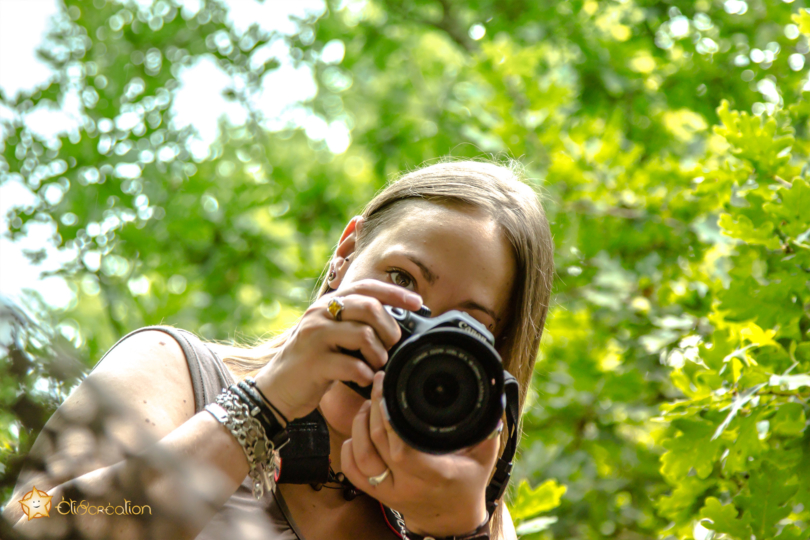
(260, 451)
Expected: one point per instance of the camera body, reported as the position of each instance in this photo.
(444, 381)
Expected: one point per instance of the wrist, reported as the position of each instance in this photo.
(455, 525)
(264, 381)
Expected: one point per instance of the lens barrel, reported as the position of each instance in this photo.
(444, 390)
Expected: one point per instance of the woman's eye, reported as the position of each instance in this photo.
(398, 277)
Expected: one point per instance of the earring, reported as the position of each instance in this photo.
(332, 275)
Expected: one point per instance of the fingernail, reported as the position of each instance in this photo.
(365, 406)
(413, 297)
(384, 409)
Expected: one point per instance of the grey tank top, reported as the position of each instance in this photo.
(242, 516)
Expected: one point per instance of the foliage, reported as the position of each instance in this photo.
(671, 391)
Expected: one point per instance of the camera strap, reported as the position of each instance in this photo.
(305, 459)
(503, 468)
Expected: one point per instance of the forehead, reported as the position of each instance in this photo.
(463, 246)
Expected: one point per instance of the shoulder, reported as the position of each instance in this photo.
(139, 392)
(148, 364)
(143, 382)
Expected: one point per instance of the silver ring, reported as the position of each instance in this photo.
(335, 307)
(380, 478)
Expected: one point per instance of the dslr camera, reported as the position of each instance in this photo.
(444, 381)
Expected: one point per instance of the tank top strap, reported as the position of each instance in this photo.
(208, 373)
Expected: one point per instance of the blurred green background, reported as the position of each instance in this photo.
(669, 139)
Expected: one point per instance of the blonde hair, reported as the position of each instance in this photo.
(502, 193)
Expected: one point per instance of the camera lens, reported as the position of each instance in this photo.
(443, 389)
(434, 389)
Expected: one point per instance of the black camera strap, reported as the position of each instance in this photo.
(503, 468)
(305, 459)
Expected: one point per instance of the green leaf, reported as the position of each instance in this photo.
(681, 505)
(789, 420)
(767, 497)
(724, 519)
(742, 228)
(792, 532)
(693, 448)
(747, 299)
(746, 445)
(792, 212)
(757, 139)
(529, 502)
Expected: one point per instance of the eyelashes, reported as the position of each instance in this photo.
(395, 273)
(403, 279)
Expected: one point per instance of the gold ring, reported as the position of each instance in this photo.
(335, 307)
(380, 478)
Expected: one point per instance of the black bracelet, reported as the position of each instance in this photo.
(252, 382)
(254, 396)
(272, 428)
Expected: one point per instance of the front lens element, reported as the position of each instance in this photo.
(442, 389)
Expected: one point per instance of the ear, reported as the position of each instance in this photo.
(348, 240)
(345, 249)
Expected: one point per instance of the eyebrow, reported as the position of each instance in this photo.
(472, 304)
(431, 278)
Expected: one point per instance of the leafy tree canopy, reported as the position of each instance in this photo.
(670, 140)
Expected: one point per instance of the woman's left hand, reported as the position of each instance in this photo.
(439, 495)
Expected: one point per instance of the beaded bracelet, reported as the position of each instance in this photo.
(259, 437)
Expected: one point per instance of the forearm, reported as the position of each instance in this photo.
(184, 479)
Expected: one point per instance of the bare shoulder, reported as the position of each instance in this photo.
(137, 394)
(148, 372)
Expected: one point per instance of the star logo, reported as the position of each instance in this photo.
(36, 504)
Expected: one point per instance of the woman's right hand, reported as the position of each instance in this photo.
(311, 360)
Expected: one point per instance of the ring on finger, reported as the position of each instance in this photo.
(335, 307)
(380, 478)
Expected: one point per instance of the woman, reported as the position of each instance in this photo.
(461, 235)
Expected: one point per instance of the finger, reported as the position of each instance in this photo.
(485, 452)
(370, 311)
(355, 336)
(368, 461)
(403, 457)
(349, 467)
(376, 426)
(341, 367)
(397, 449)
(353, 473)
(386, 293)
